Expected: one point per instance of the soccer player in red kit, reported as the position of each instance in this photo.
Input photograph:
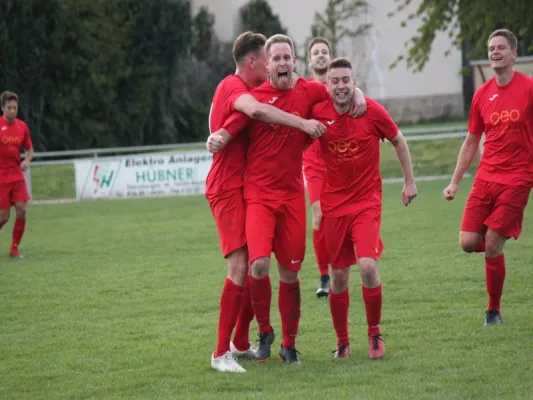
(275, 198)
(14, 136)
(352, 199)
(224, 194)
(502, 108)
(319, 54)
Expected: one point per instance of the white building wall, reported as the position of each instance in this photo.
(440, 80)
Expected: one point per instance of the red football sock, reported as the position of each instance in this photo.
(339, 303)
(321, 254)
(324, 269)
(289, 310)
(480, 247)
(241, 339)
(230, 301)
(372, 298)
(18, 231)
(261, 293)
(495, 275)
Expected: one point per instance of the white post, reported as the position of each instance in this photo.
(27, 176)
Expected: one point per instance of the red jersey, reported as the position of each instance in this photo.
(274, 159)
(505, 114)
(13, 138)
(227, 169)
(312, 162)
(350, 150)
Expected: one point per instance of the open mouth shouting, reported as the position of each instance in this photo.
(283, 76)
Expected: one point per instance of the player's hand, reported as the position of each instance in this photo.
(314, 128)
(449, 192)
(317, 215)
(215, 143)
(409, 192)
(358, 105)
(24, 165)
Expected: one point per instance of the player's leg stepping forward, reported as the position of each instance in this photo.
(493, 318)
(289, 355)
(265, 343)
(376, 347)
(226, 363)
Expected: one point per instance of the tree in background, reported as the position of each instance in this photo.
(464, 22)
(99, 73)
(257, 16)
(343, 20)
(203, 33)
(196, 78)
(337, 20)
(29, 40)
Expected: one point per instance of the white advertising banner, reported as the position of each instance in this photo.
(142, 175)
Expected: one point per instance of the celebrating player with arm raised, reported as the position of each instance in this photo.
(225, 196)
(274, 193)
(352, 199)
(319, 54)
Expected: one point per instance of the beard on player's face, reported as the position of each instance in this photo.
(281, 74)
(320, 71)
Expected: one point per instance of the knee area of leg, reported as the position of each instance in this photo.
(260, 267)
(21, 213)
(468, 246)
(492, 248)
(368, 269)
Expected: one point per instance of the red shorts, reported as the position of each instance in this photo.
(353, 236)
(496, 206)
(279, 227)
(229, 212)
(11, 193)
(314, 188)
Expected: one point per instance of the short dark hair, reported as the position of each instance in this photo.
(340, 62)
(246, 43)
(507, 34)
(8, 96)
(279, 38)
(317, 40)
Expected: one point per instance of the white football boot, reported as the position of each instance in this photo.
(250, 353)
(226, 363)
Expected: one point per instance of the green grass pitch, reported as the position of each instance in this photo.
(119, 300)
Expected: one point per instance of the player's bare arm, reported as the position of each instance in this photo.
(466, 156)
(358, 104)
(409, 191)
(27, 159)
(248, 105)
(316, 209)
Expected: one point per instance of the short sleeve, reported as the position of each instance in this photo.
(317, 91)
(476, 125)
(382, 120)
(236, 123)
(235, 89)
